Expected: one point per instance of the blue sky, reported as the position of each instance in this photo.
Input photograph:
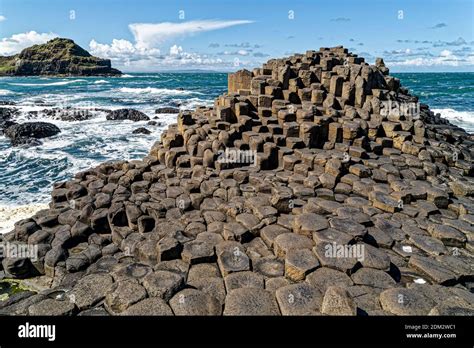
(147, 35)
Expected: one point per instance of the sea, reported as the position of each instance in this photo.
(27, 174)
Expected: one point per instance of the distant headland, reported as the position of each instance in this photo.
(57, 57)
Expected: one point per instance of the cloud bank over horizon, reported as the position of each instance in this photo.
(223, 44)
(147, 53)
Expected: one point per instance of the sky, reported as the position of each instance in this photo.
(223, 35)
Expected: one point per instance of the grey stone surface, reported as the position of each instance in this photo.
(250, 301)
(299, 299)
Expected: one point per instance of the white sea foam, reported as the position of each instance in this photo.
(11, 214)
(126, 75)
(192, 103)
(161, 91)
(6, 92)
(99, 82)
(463, 119)
(58, 83)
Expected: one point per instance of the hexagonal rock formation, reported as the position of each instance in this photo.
(317, 185)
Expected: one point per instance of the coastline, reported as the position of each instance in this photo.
(11, 214)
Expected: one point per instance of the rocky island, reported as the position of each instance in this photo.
(57, 57)
(316, 185)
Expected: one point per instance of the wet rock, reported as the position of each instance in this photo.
(167, 110)
(141, 130)
(127, 114)
(15, 298)
(25, 133)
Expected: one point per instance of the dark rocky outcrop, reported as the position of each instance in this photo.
(141, 130)
(28, 133)
(57, 57)
(69, 114)
(6, 115)
(316, 185)
(167, 110)
(127, 114)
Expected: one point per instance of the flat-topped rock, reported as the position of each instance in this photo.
(299, 299)
(250, 301)
(194, 302)
(337, 301)
(402, 301)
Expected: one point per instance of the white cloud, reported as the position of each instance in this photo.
(126, 56)
(2, 18)
(146, 52)
(17, 42)
(149, 35)
(120, 49)
(445, 58)
(175, 50)
(235, 53)
(445, 53)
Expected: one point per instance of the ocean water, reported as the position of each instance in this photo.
(450, 94)
(26, 175)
